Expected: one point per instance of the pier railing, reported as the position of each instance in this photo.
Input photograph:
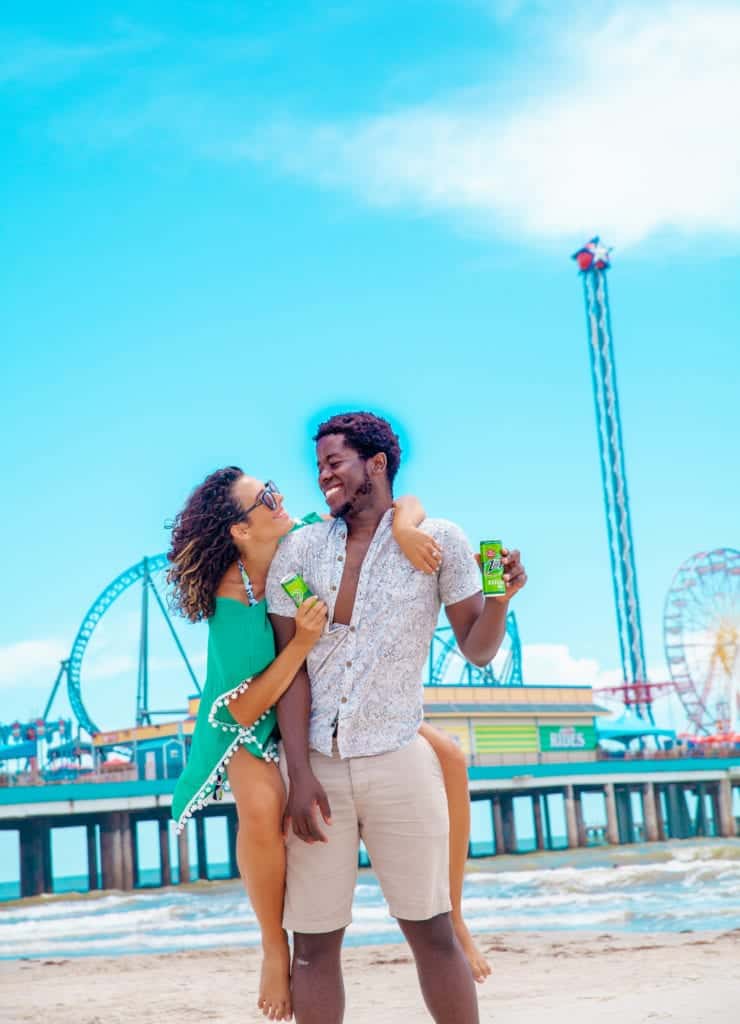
(126, 772)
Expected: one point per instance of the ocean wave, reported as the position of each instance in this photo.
(44, 907)
(695, 888)
(584, 879)
(513, 922)
(473, 904)
(141, 943)
(162, 919)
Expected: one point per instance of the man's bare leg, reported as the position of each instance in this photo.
(446, 982)
(316, 979)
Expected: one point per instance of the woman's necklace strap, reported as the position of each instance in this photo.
(247, 584)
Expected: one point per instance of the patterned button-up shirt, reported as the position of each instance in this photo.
(367, 676)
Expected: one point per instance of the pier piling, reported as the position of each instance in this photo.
(580, 822)
(509, 824)
(661, 806)
(231, 832)
(539, 834)
(700, 822)
(679, 822)
(612, 823)
(725, 816)
(548, 826)
(128, 859)
(165, 867)
(201, 852)
(625, 817)
(571, 824)
(111, 852)
(35, 858)
(498, 823)
(649, 812)
(92, 856)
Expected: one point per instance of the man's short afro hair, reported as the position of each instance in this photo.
(367, 434)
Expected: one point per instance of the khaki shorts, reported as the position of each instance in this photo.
(396, 804)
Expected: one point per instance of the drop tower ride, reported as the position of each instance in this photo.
(593, 262)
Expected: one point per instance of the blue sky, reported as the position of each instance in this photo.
(222, 221)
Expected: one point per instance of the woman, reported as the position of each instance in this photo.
(223, 542)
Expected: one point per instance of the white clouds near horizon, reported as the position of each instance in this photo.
(28, 661)
(555, 665)
(37, 661)
(29, 667)
(631, 131)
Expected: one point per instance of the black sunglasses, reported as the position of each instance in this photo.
(265, 497)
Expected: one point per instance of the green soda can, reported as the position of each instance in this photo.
(492, 567)
(296, 588)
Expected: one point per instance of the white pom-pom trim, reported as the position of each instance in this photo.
(245, 736)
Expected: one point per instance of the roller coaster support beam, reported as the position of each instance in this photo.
(63, 667)
(175, 637)
(142, 688)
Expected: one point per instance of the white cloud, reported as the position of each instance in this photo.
(553, 664)
(39, 60)
(632, 131)
(30, 661)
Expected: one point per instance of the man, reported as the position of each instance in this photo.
(350, 720)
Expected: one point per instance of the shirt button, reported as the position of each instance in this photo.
(332, 588)
(349, 664)
(344, 700)
(352, 629)
(340, 558)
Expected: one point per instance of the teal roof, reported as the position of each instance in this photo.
(629, 727)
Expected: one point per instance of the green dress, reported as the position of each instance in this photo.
(241, 644)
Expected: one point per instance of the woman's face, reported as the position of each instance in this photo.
(262, 523)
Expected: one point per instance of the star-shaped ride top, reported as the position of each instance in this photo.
(594, 255)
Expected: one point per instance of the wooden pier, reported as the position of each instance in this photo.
(665, 810)
(111, 813)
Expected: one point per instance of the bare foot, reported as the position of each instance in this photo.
(274, 998)
(479, 966)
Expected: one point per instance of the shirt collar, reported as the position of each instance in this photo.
(340, 526)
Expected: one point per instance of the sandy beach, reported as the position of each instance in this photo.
(555, 977)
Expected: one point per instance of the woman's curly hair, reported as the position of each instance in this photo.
(202, 549)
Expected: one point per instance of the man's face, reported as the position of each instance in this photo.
(343, 476)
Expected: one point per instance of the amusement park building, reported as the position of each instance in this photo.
(493, 725)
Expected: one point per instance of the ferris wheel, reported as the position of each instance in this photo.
(701, 633)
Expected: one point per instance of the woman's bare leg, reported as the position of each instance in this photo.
(455, 773)
(260, 851)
